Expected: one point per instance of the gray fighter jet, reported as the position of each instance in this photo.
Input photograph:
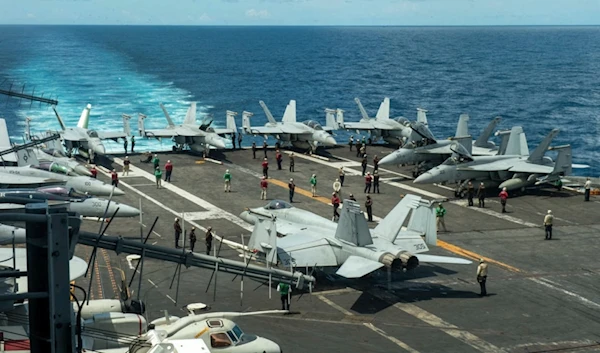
(513, 170)
(430, 151)
(88, 142)
(198, 138)
(306, 135)
(307, 239)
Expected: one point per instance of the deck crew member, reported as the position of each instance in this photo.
(481, 195)
(588, 187)
(158, 177)
(233, 140)
(126, 163)
(337, 186)
(358, 148)
(265, 168)
(208, 238)
(369, 207)
(368, 182)
(335, 201)
(125, 144)
(482, 272)
(177, 229)
(94, 172)
(548, 224)
(155, 161)
(440, 212)
(292, 162)
(363, 163)
(292, 189)
(376, 181)
(227, 178)
(375, 163)
(351, 197)
(239, 138)
(253, 150)
(264, 184)
(470, 193)
(192, 239)
(363, 149)
(313, 185)
(132, 143)
(503, 197)
(278, 159)
(265, 146)
(342, 175)
(284, 290)
(168, 171)
(351, 142)
(114, 178)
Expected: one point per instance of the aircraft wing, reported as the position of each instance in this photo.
(445, 149)
(503, 164)
(531, 168)
(162, 132)
(300, 246)
(13, 179)
(265, 130)
(359, 126)
(112, 135)
(71, 135)
(442, 259)
(356, 267)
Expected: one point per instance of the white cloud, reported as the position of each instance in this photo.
(253, 13)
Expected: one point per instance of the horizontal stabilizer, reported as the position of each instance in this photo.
(442, 259)
(356, 267)
(390, 226)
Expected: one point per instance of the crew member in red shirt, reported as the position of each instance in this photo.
(368, 182)
(263, 187)
(279, 159)
(503, 197)
(94, 172)
(169, 170)
(335, 201)
(265, 166)
(115, 178)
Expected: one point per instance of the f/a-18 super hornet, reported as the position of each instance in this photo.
(24, 176)
(392, 130)
(85, 141)
(307, 239)
(199, 138)
(513, 170)
(306, 135)
(428, 151)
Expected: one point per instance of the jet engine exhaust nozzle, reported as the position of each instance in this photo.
(409, 261)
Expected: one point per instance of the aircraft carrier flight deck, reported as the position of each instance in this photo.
(542, 295)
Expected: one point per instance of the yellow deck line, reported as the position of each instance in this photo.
(442, 244)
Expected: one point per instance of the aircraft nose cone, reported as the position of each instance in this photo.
(330, 141)
(425, 178)
(81, 170)
(99, 149)
(119, 192)
(127, 211)
(389, 159)
(267, 346)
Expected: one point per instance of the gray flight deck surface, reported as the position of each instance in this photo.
(543, 295)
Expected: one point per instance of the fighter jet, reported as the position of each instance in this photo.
(26, 176)
(306, 135)
(513, 170)
(429, 151)
(65, 165)
(394, 131)
(307, 239)
(83, 204)
(198, 138)
(88, 142)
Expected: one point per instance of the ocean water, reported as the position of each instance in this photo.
(537, 77)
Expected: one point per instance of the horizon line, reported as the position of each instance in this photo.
(293, 25)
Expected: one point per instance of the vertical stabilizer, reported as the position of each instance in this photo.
(389, 228)
(26, 157)
(267, 113)
(126, 126)
(190, 115)
(141, 127)
(231, 120)
(422, 220)
(422, 116)
(538, 154)
(482, 140)
(84, 119)
(339, 117)
(504, 135)
(352, 225)
(246, 121)
(289, 116)
(363, 112)
(564, 160)
(330, 120)
(60, 120)
(384, 110)
(264, 239)
(462, 128)
(169, 121)
(513, 145)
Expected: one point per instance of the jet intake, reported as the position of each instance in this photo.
(409, 261)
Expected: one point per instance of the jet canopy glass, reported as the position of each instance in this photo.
(277, 205)
(313, 124)
(92, 133)
(402, 120)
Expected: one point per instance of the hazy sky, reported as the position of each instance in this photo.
(301, 12)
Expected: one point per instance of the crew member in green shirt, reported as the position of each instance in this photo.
(227, 178)
(440, 212)
(313, 185)
(158, 176)
(284, 290)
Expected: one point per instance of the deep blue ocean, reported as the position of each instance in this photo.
(537, 77)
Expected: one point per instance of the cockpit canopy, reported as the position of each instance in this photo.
(402, 120)
(277, 205)
(313, 124)
(92, 133)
